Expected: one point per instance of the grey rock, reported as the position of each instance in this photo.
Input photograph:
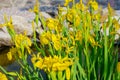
(21, 21)
(45, 15)
(5, 38)
(21, 25)
(13, 3)
(15, 11)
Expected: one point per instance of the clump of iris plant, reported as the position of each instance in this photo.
(74, 45)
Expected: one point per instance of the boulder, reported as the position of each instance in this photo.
(5, 38)
(13, 3)
(21, 21)
(21, 25)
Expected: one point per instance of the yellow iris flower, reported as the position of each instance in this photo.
(45, 38)
(52, 23)
(71, 15)
(36, 7)
(93, 4)
(56, 42)
(11, 52)
(77, 20)
(67, 2)
(55, 63)
(3, 76)
(8, 23)
(67, 74)
(23, 40)
(111, 10)
(81, 6)
(78, 36)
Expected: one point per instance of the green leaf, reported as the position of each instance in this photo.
(12, 73)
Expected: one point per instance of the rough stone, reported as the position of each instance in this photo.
(21, 21)
(21, 25)
(5, 38)
(13, 3)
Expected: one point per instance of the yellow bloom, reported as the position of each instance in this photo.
(61, 10)
(93, 4)
(72, 39)
(81, 6)
(64, 42)
(37, 61)
(3, 76)
(52, 23)
(36, 7)
(48, 35)
(55, 63)
(56, 42)
(118, 67)
(69, 49)
(110, 10)
(61, 64)
(77, 20)
(11, 53)
(68, 74)
(58, 66)
(59, 28)
(8, 23)
(71, 14)
(22, 41)
(57, 45)
(70, 17)
(78, 36)
(116, 24)
(97, 16)
(92, 41)
(67, 2)
(45, 38)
